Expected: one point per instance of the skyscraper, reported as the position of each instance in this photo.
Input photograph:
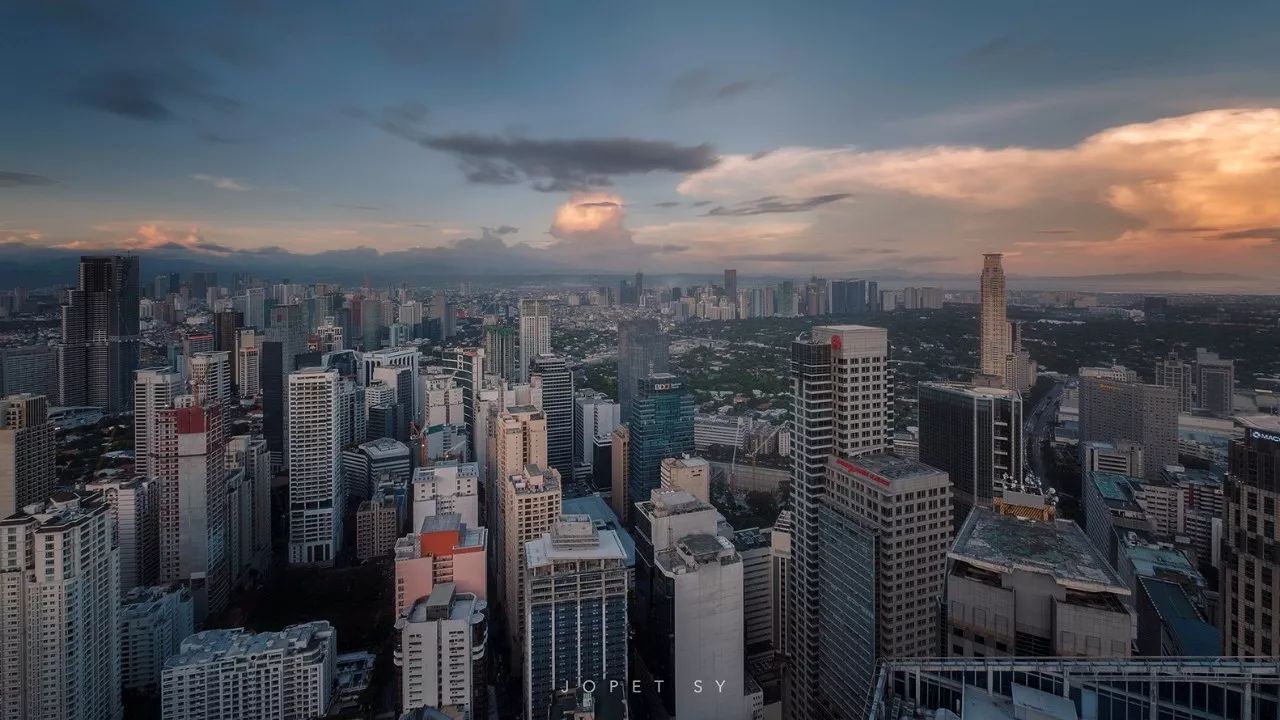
(27, 452)
(209, 377)
(557, 404)
(153, 390)
(661, 426)
(731, 282)
(974, 434)
(639, 289)
(60, 611)
(994, 324)
(1215, 382)
(1146, 414)
(535, 333)
(99, 350)
(1172, 371)
(500, 352)
(842, 405)
(576, 621)
(135, 513)
(1250, 569)
(440, 651)
(642, 349)
(528, 503)
(314, 450)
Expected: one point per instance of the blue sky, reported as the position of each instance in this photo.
(394, 125)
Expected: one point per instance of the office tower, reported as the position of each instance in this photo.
(500, 352)
(1215, 382)
(29, 370)
(1175, 373)
(161, 288)
(1145, 414)
(27, 452)
(1250, 571)
(366, 464)
(153, 390)
(1111, 510)
(535, 333)
(255, 308)
(442, 550)
(731, 282)
(99, 350)
(974, 434)
(595, 416)
(440, 651)
(994, 327)
(188, 462)
(329, 337)
(377, 527)
(1021, 588)
(248, 374)
(754, 546)
(134, 505)
(886, 530)
(1114, 372)
(557, 404)
(642, 349)
(443, 315)
(229, 674)
(226, 326)
(153, 623)
(661, 426)
(780, 571)
(1121, 457)
(410, 314)
(446, 487)
(314, 453)
(209, 377)
(576, 622)
(250, 453)
(842, 404)
(620, 467)
(639, 288)
(528, 503)
(688, 599)
(690, 474)
(60, 611)
(371, 324)
(403, 383)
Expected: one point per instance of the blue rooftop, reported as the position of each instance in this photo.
(594, 507)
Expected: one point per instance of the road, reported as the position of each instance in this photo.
(1036, 428)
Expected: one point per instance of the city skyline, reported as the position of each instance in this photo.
(470, 138)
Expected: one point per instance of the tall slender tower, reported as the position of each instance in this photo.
(535, 333)
(642, 349)
(994, 330)
(314, 450)
(27, 452)
(99, 350)
(557, 403)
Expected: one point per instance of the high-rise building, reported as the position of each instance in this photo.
(249, 453)
(255, 308)
(31, 369)
(517, 437)
(994, 327)
(754, 546)
(226, 326)
(500, 352)
(731, 282)
(153, 623)
(366, 464)
(688, 599)
(248, 374)
(639, 288)
(1215, 382)
(690, 474)
(595, 416)
(557, 404)
(99, 350)
(135, 513)
(661, 426)
(642, 349)
(209, 377)
(528, 503)
(377, 527)
(1145, 414)
(231, 674)
(974, 434)
(27, 452)
(60, 611)
(576, 621)
(620, 466)
(188, 462)
(890, 521)
(1022, 588)
(314, 451)
(446, 487)
(442, 550)
(842, 405)
(1250, 570)
(1121, 457)
(1172, 371)
(154, 390)
(535, 333)
(780, 570)
(440, 651)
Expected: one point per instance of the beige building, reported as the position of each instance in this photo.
(528, 505)
(994, 345)
(377, 527)
(620, 448)
(27, 450)
(691, 474)
(1113, 410)
(517, 437)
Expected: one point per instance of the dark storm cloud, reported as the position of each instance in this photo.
(21, 179)
(149, 94)
(774, 204)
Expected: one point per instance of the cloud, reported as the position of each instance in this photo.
(149, 94)
(1056, 231)
(505, 230)
(9, 179)
(774, 204)
(149, 236)
(1259, 233)
(667, 204)
(788, 257)
(1002, 49)
(222, 183)
(702, 86)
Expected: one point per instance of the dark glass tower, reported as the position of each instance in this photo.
(557, 403)
(99, 351)
(661, 426)
(642, 349)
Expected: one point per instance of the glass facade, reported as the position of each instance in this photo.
(661, 426)
(847, 615)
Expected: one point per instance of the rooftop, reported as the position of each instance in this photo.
(751, 539)
(1119, 492)
(211, 645)
(385, 447)
(972, 390)
(1195, 637)
(595, 507)
(1003, 543)
(603, 546)
(885, 468)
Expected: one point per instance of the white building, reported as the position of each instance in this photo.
(248, 363)
(1119, 456)
(235, 674)
(535, 333)
(446, 487)
(314, 451)
(135, 511)
(250, 453)
(443, 401)
(153, 622)
(153, 390)
(595, 417)
(441, 652)
(60, 611)
(209, 377)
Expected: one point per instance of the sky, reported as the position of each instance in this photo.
(780, 138)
